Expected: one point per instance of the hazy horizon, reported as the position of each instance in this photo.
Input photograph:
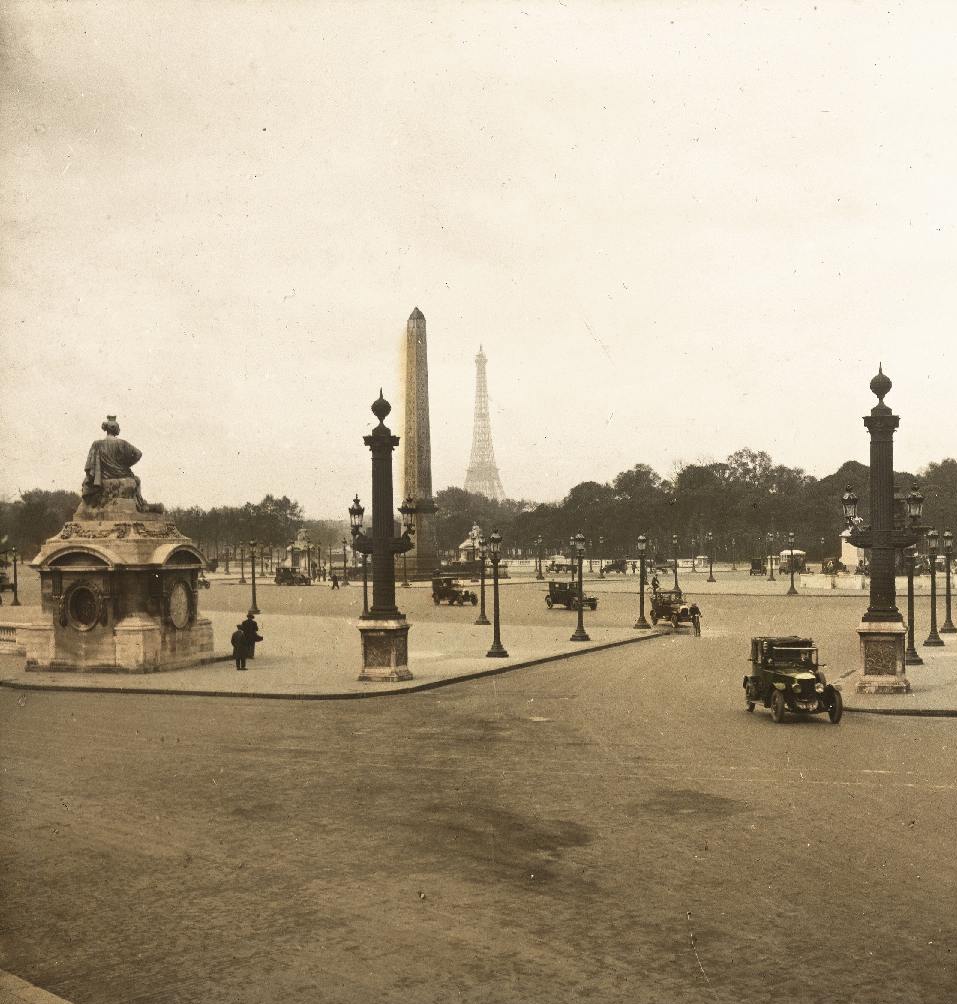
(676, 230)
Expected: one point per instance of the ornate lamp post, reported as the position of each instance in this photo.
(770, 557)
(674, 545)
(345, 560)
(822, 555)
(242, 565)
(933, 639)
(601, 552)
(226, 569)
(791, 591)
(408, 510)
(882, 628)
(946, 628)
(356, 512)
(475, 535)
(580, 633)
(911, 656)
(384, 631)
(539, 574)
(15, 602)
(709, 538)
(642, 546)
(483, 545)
(497, 651)
(734, 560)
(252, 568)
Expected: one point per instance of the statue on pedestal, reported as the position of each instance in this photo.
(108, 471)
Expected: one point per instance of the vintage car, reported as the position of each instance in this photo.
(290, 577)
(757, 566)
(565, 594)
(619, 566)
(560, 567)
(202, 582)
(445, 587)
(786, 676)
(5, 585)
(670, 605)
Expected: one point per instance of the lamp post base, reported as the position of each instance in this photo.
(580, 636)
(496, 652)
(482, 621)
(385, 651)
(882, 658)
(792, 592)
(710, 578)
(642, 625)
(911, 658)
(946, 628)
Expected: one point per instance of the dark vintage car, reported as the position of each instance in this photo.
(670, 605)
(445, 587)
(757, 566)
(290, 577)
(786, 676)
(565, 594)
(560, 567)
(6, 585)
(619, 566)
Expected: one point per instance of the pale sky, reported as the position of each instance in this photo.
(677, 229)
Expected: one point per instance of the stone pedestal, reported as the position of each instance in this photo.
(119, 593)
(385, 650)
(882, 656)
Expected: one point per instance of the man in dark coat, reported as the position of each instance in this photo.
(250, 629)
(238, 641)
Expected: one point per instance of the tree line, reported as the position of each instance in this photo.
(739, 501)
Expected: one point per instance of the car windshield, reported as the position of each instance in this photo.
(795, 656)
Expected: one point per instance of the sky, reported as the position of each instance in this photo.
(677, 229)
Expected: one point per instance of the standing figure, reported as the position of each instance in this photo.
(238, 641)
(695, 612)
(335, 581)
(251, 630)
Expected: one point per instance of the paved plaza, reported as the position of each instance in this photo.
(608, 827)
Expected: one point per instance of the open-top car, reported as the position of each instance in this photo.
(290, 577)
(445, 587)
(670, 605)
(565, 594)
(786, 676)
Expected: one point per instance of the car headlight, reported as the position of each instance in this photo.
(819, 687)
(796, 687)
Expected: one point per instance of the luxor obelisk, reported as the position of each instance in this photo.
(423, 560)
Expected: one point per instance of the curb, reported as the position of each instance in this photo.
(904, 712)
(341, 696)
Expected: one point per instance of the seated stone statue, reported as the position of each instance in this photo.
(108, 471)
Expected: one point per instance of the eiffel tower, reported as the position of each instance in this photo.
(482, 478)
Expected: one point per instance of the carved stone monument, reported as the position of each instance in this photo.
(417, 485)
(118, 584)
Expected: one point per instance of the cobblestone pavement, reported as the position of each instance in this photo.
(613, 827)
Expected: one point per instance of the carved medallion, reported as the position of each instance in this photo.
(180, 605)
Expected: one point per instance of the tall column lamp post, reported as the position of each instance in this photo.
(642, 547)
(911, 656)
(948, 626)
(580, 633)
(933, 639)
(497, 651)
(791, 590)
(709, 538)
(483, 553)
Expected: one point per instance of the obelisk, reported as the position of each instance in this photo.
(423, 559)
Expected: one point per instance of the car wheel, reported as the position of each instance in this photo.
(777, 706)
(435, 599)
(548, 602)
(573, 605)
(748, 705)
(674, 622)
(836, 707)
(654, 618)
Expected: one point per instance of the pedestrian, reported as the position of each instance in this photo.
(634, 568)
(335, 581)
(655, 584)
(695, 611)
(251, 631)
(239, 646)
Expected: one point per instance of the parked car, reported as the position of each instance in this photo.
(786, 676)
(290, 577)
(565, 594)
(619, 566)
(670, 605)
(757, 566)
(445, 587)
